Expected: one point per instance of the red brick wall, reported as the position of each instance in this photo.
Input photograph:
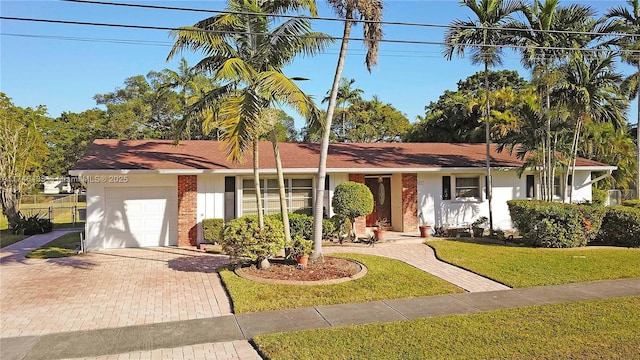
(187, 210)
(361, 222)
(409, 202)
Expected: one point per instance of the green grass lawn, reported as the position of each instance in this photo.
(526, 267)
(385, 279)
(63, 246)
(7, 238)
(598, 329)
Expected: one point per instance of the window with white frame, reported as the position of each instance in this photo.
(298, 192)
(467, 187)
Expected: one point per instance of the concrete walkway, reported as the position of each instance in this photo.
(424, 258)
(178, 340)
(16, 252)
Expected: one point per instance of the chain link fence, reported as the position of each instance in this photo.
(69, 209)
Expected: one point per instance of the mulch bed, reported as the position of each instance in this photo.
(332, 268)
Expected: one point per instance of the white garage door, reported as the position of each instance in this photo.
(140, 217)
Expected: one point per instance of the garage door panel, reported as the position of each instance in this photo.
(139, 217)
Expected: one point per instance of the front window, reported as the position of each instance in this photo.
(468, 187)
(298, 192)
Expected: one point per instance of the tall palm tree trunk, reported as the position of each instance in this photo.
(256, 182)
(638, 133)
(324, 147)
(487, 125)
(284, 209)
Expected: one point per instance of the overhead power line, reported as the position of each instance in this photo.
(393, 53)
(394, 41)
(383, 22)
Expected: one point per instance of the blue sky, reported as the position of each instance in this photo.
(41, 66)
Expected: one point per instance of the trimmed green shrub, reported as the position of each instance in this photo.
(328, 229)
(212, 230)
(632, 203)
(242, 238)
(621, 227)
(30, 225)
(556, 225)
(352, 200)
(299, 224)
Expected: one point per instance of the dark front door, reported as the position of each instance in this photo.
(381, 190)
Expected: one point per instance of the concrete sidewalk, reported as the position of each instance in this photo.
(145, 339)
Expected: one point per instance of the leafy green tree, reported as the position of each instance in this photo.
(247, 56)
(456, 116)
(374, 121)
(69, 136)
(22, 150)
(350, 11)
(352, 200)
(137, 111)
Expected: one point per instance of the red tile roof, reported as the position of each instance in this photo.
(210, 155)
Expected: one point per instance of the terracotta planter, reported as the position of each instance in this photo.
(379, 234)
(425, 231)
(302, 260)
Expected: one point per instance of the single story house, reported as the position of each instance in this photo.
(154, 193)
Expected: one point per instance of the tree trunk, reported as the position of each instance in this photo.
(284, 210)
(487, 125)
(10, 202)
(324, 147)
(574, 157)
(549, 148)
(638, 135)
(256, 182)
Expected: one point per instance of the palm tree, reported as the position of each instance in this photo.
(590, 90)
(247, 56)
(630, 21)
(350, 11)
(346, 96)
(191, 85)
(539, 45)
(481, 35)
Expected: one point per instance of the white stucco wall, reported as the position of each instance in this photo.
(95, 225)
(210, 199)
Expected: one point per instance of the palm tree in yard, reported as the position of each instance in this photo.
(351, 11)
(481, 36)
(246, 55)
(629, 18)
(541, 50)
(590, 90)
(346, 96)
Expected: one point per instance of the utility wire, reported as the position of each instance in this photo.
(383, 22)
(394, 41)
(392, 53)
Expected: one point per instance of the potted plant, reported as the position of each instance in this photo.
(300, 250)
(381, 226)
(425, 230)
(478, 226)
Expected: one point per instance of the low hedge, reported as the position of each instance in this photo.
(621, 227)
(556, 225)
(212, 230)
(632, 203)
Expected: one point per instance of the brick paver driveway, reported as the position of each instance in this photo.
(109, 289)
